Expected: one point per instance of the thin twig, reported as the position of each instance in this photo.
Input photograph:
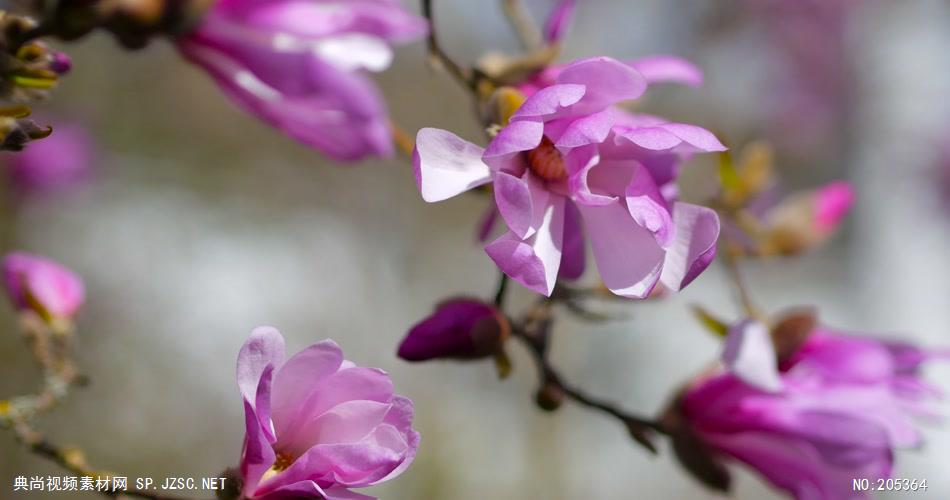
(50, 347)
(403, 141)
(745, 297)
(535, 339)
(439, 57)
(501, 291)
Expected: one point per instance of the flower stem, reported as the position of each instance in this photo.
(533, 333)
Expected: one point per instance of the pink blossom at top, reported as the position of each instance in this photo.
(833, 410)
(37, 283)
(569, 160)
(298, 65)
(317, 424)
(62, 159)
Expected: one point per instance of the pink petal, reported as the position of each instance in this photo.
(574, 251)
(647, 206)
(347, 422)
(663, 69)
(590, 129)
(606, 82)
(550, 100)
(627, 255)
(694, 246)
(446, 165)
(264, 347)
(257, 456)
(521, 201)
(533, 262)
(750, 355)
(298, 378)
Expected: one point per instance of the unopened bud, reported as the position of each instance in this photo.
(460, 328)
(549, 397)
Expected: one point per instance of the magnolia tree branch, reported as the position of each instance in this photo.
(533, 331)
(50, 345)
(438, 56)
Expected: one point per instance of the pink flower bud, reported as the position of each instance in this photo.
(832, 203)
(460, 328)
(42, 285)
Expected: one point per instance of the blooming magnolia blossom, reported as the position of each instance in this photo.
(39, 284)
(459, 328)
(832, 410)
(569, 158)
(297, 64)
(318, 425)
(62, 159)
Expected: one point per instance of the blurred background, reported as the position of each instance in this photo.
(200, 223)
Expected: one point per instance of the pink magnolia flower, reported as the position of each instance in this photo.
(460, 328)
(569, 158)
(833, 410)
(62, 159)
(559, 20)
(39, 284)
(318, 425)
(298, 64)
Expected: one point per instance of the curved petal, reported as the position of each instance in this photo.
(310, 20)
(627, 255)
(550, 100)
(607, 81)
(533, 262)
(647, 206)
(264, 347)
(338, 113)
(590, 188)
(521, 201)
(517, 136)
(257, 456)
(298, 379)
(589, 129)
(357, 464)
(750, 355)
(446, 165)
(347, 422)
(797, 467)
(694, 245)
(672, 69)
(573, 251)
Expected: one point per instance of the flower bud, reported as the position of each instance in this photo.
(549, 397)
(804, 221)
(41, 285)
(460, 328)
(16, 132)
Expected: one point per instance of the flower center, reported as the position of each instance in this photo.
(546, 161)
(281, 463)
